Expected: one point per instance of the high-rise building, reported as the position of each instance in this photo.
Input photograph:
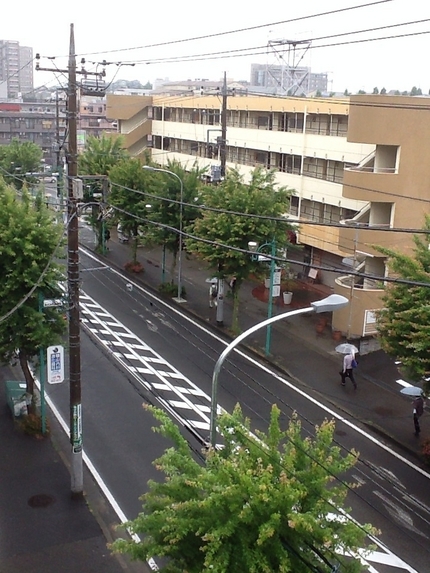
(16, 69)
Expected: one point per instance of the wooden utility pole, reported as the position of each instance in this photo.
(73, 279)
(223, 146)
(73, 282)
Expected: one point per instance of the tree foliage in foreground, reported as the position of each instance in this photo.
(29, 237)
(258, 197)
(256, 506)
(404, 322)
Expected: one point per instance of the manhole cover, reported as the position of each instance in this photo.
(41, 500)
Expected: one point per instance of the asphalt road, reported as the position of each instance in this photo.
(164, 357)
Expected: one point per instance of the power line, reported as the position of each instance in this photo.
(239, 30)
(238, 50)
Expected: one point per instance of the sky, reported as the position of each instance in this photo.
(122, 33)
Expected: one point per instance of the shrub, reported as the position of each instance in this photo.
(425, 450)
(171, 289)
(32, 425)
(134, 267)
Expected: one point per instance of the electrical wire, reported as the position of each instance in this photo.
(236, 31)
(232, 52)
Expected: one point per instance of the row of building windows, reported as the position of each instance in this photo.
(325, 169)
(292, 122)
(317, 211)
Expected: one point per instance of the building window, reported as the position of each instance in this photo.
(289, 163)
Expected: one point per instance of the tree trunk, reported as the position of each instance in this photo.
(29, 379)
(134, 249)
(173, 266)
(235, 317)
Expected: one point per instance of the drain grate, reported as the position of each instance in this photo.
(41, 500)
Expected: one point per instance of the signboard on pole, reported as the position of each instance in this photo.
(55, 364)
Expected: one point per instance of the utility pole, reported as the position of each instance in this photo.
(223, 146)
(77, 485)
(73, 279)
(223, 158)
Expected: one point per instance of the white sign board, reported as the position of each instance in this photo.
(55, 364)
(53, 302)
(277, 278)
(276, 290)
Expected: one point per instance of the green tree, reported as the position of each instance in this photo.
(28, 254)
(258, 505)
(167, 211)
(383, 91)
(128, 184)
(18, 159)
(376, 91)
(361, 92)
(404, 322)
(221, 230)
(346, 93)
(97, 159)
(100, 155)
(416, 91)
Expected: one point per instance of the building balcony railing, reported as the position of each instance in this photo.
(371, 169)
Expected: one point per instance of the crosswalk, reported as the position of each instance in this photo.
(181, 397)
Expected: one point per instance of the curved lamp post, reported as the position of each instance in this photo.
(253, 246)
(177, 298)
(328, 304)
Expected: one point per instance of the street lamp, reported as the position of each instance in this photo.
(178, 298)
(254, 248)
(328, 304)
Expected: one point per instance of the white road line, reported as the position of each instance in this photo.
(403, 383)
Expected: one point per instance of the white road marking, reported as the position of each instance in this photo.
(403, 383)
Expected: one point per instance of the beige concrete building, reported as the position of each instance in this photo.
(357, 161)
(393, 184)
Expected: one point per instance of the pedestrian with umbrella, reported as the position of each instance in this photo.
(417, 405)
(349, 362)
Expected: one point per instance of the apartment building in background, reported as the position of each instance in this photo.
(35, 122)
(352, 163)
(16, 69)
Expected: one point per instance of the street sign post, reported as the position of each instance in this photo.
(55, 364)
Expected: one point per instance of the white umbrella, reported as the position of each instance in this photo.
(212, 281)
(346, 348)
(411, 391)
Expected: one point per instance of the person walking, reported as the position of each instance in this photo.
(418, 411)
(348, 369)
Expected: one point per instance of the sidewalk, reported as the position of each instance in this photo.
(42, 529)
(297, 348)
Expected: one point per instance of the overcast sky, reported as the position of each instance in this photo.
(130, 26)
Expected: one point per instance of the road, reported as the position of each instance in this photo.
(169, 357)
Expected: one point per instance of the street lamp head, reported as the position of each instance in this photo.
(253, 246)
(330, 303)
